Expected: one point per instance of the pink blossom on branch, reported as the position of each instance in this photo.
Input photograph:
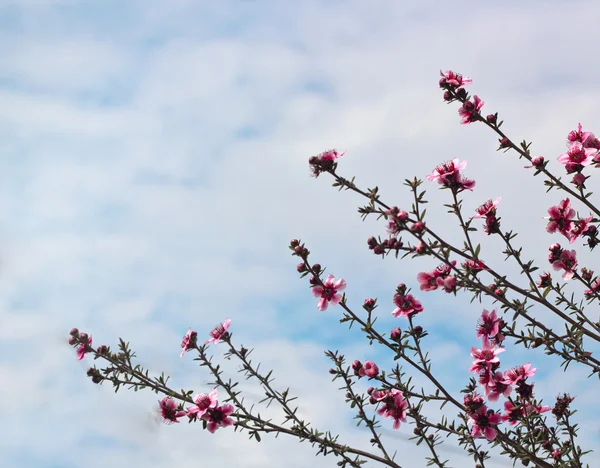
(487, 209)
(484, 358)
(452, 79)
(329, 292)
(577, 157)
(218, 417)
(485, 423)
(202, 403)
(393, 405)
(561, 218)
(517, 374)
(470, 111)
(168, 411)
(406, 305)
(448, 174)
(488, 328)
(84, 346)
(219, 332)
(565, 260)
(189, 341)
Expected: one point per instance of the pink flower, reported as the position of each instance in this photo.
(329, 292)
(577, 157)
(513, 376)
(189, 341)
(447, 283)
(587, 139)
(536, 409)
(369, 369)
(218, 417)
(484, 358)
(218, 332)
(496, 387)
(406, 305)
(488, 327)
(168, 410)
(203, 402)
(448, 174)
(427, 281)
(454, 80)
(485, 423)
(394, 406)
(487, 209)
(513, 413)
(568, 262)
(579, 228)
(84, 346)
(324, 162)
(561, 218)
(470, 110)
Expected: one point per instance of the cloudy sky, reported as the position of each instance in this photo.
(153, 169)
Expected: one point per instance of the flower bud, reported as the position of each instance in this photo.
(74, 332)
(492, 118)
(395, 334)
(301, 268)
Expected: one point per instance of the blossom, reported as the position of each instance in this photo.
(453, 79)
(484, 358)
(329, 292)
(448, 174)
(561, 218)
(579, 228)
(577, 157)
(324, 162)
(406, 305)
(394, 406)
(447, 283)
(587, 139)
(218, 417)
(470, 110)
(189, 341)
(485, 423)
(517, 374)
(487, 209)
(488, 327)
(219, 332)
(566, 261)
(168, 410)
(513, 413)
(496, 387)
(202, 403)
(84, 346)
(368, 369)
(429, 280)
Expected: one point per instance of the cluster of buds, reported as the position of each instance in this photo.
(81, 341)
(366, 369)
(397, 220)
(386, 245)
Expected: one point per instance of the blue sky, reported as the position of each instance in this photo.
(154, 169)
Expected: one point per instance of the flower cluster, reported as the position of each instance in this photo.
(392, 404)
(206, 407)
(448, 175)
(562, 259)
(438, 278)
(495, 383)
(406, 304)
(324, 162)
(582, 150)
(488, 210)
(368, 369)
(562, 219)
